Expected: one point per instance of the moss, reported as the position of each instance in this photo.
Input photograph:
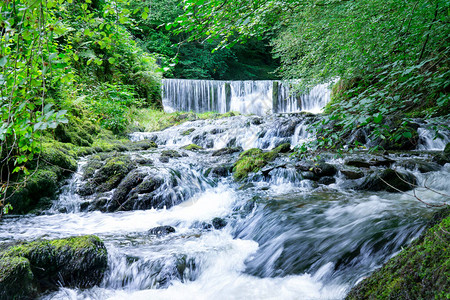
(188, 132)
(75, 261)
(254, 159)
(192, 147)
(54, 155)
(421, 271)
(16, 278)
(112, 172)
(42, 183)
(251, 160)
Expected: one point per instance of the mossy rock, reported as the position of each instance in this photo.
(252, 160)
(73, 262)
(142, 145)
(57, 156)
(42, 183)
(192, 147)
(16, 279)
(79, 131)
(188, 132)
(170, 154)
(112, 172)
(421, 271)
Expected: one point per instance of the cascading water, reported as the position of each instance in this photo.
(285, 237)
(247, 97)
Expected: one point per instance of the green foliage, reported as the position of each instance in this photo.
(392, 56)
(60, 57)
(181, 58)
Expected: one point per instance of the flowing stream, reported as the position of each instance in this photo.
(284, 236)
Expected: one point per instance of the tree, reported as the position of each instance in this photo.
(392, 56)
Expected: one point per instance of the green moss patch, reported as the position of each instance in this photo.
(192, 147)
(254, 159)
(16, 279)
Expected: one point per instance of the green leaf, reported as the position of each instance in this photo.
(378, 118)
(144, 15)
(3, 61)
(111, 60)
(407, 134)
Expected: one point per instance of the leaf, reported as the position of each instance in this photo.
(144, 15)
(3, 61)
(378, 118)
(407, 134)
(111, 60)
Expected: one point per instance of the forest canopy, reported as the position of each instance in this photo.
(392, 57)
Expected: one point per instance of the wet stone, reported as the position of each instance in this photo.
(161, 230)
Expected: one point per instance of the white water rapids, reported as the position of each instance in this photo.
(286, 237)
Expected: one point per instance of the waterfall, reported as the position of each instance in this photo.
(247, 97)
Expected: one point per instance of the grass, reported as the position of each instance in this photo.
(157, 120)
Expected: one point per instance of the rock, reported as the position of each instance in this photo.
(421, 166)
(378, 162)
(227, 150)
(231, 143)
(219, 171)
(164, 159)
(16, 279)
(216, 131)
(353, 173)
(382, 180)
(357, 163)
(421, 271)
(122, 192)
(142, 145)
(73, 262)
(192, 147)
(256, 121)
(444, 157)
(219, 223)
(161, 230)
(170, 153)
(143, 161)
(327, 180)
(287, 129)
(323, 169)
(188, 132)
(113, 170)
(42, 183)
(283, 148)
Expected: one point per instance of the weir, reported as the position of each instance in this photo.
(247, 97)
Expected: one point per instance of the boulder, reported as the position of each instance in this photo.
(388, 180)
(352, 173)
(47, 264)
(219, 223)
(219, 171)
